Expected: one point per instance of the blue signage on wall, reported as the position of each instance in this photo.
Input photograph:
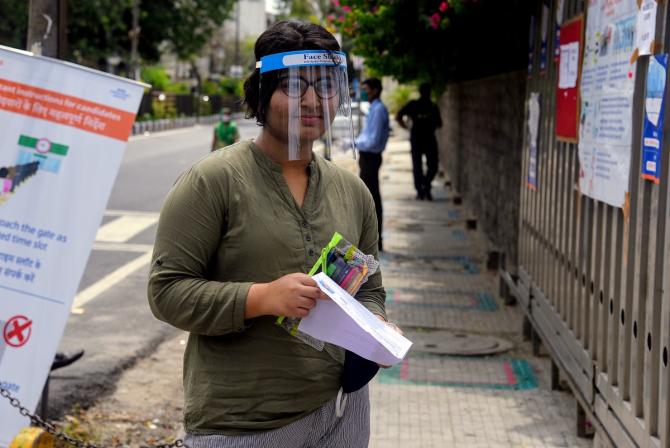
(654, 109)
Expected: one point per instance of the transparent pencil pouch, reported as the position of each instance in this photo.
(347, 266)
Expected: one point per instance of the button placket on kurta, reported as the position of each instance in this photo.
(304, 214)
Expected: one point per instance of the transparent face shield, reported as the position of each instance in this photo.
(310, 108)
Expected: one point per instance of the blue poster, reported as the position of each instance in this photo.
(544, 31)
(654, 108)
(557, 29)
(531, 47)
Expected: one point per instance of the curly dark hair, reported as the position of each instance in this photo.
(287, 35)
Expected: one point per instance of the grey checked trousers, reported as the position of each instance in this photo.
(320, 429)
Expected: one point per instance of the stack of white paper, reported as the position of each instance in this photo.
(343, 321)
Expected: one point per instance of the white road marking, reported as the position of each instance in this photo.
(122, 247)
(169, 133)
(129, 213)
(112, 237)
(124, 228)
(110, 280)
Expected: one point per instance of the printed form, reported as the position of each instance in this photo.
(345, 322)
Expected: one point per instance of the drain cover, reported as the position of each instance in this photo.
(464, 344)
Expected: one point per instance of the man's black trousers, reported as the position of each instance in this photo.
(369, 165)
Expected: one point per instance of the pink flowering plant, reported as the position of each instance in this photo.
(434, 40)
(389, 32)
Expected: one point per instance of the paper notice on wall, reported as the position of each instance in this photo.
(568, 68)
(607, 88)
(646, 27)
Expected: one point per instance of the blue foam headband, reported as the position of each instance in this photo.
(307, 58)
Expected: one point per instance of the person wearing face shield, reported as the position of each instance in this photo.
(236, 236)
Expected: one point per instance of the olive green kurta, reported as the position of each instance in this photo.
(231, 221)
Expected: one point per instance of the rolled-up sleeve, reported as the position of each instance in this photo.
(189, 232)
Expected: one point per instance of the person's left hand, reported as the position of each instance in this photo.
(390, 325)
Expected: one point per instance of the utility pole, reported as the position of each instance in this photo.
(47, 28)
(134, 39)
(237, 35)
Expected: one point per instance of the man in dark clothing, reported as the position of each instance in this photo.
(425, 118)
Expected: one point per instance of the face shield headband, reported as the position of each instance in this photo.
(311, 106)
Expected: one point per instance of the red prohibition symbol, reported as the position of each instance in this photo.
(17, 331)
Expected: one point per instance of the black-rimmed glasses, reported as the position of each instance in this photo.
(295, 87)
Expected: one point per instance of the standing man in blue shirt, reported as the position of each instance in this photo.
(370, 144)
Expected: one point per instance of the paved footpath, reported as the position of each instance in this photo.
(439, 291)
(434, 270)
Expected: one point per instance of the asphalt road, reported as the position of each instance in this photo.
(111, 319)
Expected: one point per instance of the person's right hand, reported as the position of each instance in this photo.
(292, 295)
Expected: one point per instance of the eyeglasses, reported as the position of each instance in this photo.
(296, 87)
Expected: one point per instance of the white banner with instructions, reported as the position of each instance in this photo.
(63, 130)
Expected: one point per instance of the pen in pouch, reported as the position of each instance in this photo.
(341, 272)
(330, 263)
(332, 255)
(350, 277)
(330, 270)
(359, 281)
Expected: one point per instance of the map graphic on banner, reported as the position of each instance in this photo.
(607, 86)
(63, 130)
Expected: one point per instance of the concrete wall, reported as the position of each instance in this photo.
(481, 144)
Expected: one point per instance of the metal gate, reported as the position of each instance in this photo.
(594, 279)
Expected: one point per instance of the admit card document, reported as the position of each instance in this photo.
(343, 321)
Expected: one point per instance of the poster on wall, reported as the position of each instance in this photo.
(63, 130)
(531, 46)
(533, 131)
(646, 28)
(557, 29)
(544, 35)
(654, 110)
(567, 91)
(607, 87)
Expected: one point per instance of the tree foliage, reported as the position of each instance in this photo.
(97, 29)
(435, 40)
(13, 23)
(186, 25)
(309, 10)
